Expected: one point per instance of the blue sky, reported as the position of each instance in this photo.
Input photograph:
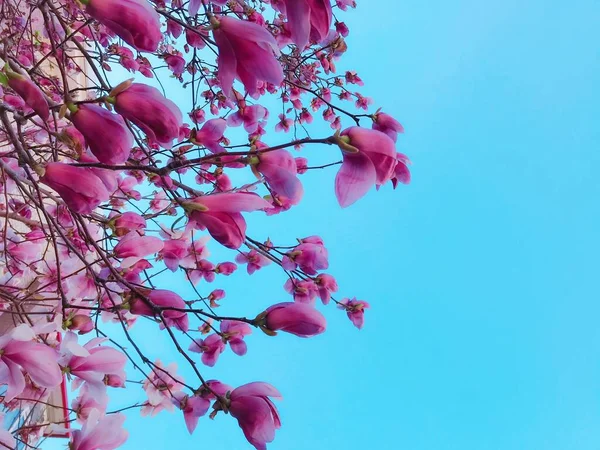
(482, 274)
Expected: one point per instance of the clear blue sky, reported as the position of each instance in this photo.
(482, 275)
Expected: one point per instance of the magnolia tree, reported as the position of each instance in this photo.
(106, 183)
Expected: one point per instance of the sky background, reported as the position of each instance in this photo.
(482, 274)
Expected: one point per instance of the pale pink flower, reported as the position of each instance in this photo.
(132, 247)
(100, 433)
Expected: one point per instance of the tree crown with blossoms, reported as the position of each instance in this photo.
(107, 184)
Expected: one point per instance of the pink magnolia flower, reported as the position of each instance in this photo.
(249, 116)
(164, 300)
(300, 319)
(100, 433)
(108, 177)
(176, 63)
(133, 247)
(30, 92)
(233, 332)
(196, 37)
(154, 114)
(304, 291)
(387, 124)
(309, 256)
(106, 134)
(92, 362)
(355, 310)
(6, 438)
(401, 172)
(162, 384)
(18, 354)
(85, 403)
(196, 406)
(254, 260)
(134, 21)
(174, 250)
(326, 284)
(226, 268)
(284, 124)
(308, 19)
(193, 408)
(211, 134)
(211, 348)
(246, 51)
(255, 412)
(127, 222)
(79, 187)
(369, 158)
(281, 173)
(173, 28)
(221, 215)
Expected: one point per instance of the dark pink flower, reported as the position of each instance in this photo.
(303, 291)
(154, 114)
(127, 222)
(79, 187)
(387, 124)
(221, 215)
(173, 251)
(134, 21)
(233, 332)
(326, 284)
(249, 116)
(132, 247)
(105, 133)
(401, 172)
(369, 159)
(211, 134)
(280, 172)
(308, 19)
(164, 300)
(300, 319)
(309, 256)
(30, 92)
(196, 37)
(246, 51)
(211, 348)
(355, 310)
(254, 260)
(256, 414)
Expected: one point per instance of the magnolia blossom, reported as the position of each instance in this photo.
(163, 300)
(19, 354)
(308, 19)
(135, 21)
(132, 247)
(369, 159)
(247, 52)
(105, 133)
(281, 173)
(256, 414)
(154, 114)
(387, 124)
(221, 215)
(100, 433)
(79, 187)
(30, 92)
(296, 318)
(355, 310)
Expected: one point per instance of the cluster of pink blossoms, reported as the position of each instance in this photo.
(105, 186)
